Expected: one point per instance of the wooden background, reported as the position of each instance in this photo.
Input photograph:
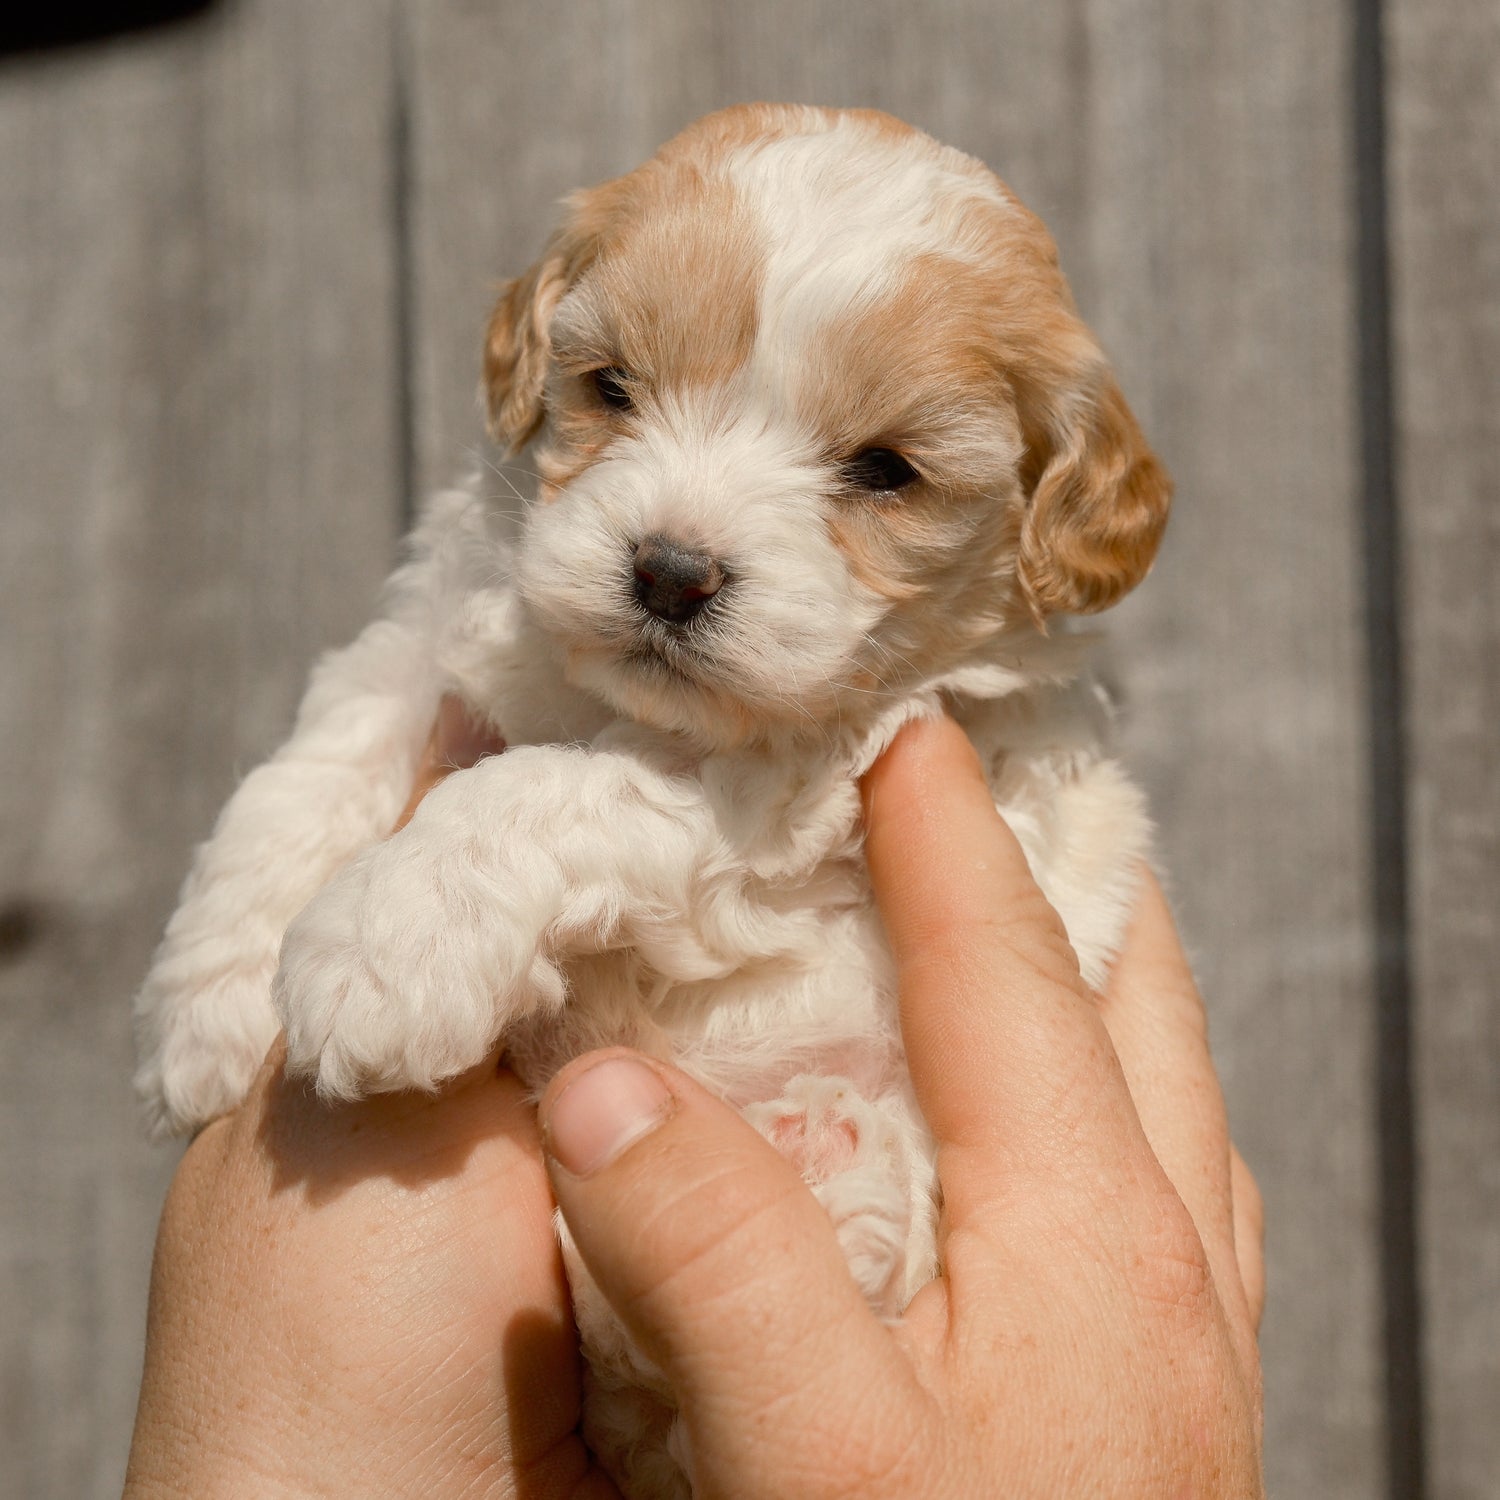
(243, 267)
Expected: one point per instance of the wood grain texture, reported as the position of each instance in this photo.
(1193, 163)
(1443, 111)
(1245, 656)
(197, 392)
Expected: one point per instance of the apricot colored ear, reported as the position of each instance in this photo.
(518, 349)
(516, 352)
(1097, 509)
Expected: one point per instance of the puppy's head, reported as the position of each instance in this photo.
(818, 423)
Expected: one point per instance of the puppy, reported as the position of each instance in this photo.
(822, 445)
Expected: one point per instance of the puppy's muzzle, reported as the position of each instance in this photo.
(673, 583)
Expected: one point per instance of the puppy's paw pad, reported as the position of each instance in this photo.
(824, 1127)
(818, 1149)
(850, 1154)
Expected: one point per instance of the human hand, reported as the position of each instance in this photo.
(1094, 1328)
(363, 1300)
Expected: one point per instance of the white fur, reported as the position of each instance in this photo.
(835, 243)
(735, 486)
(635, 868)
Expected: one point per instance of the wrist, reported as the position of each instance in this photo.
(170, 1463)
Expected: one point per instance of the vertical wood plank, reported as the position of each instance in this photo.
(1245, 655)
(1443, 111)
(1194, 164)
(197, 392)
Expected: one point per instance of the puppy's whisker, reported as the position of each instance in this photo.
(503, 472)
(513, 493)
(479, 456)
(889, 654)
(510, 512)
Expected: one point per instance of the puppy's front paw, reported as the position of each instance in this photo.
(396, 976)
(203, 1040)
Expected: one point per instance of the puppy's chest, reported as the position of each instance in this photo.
(804, 985)
(774, 951)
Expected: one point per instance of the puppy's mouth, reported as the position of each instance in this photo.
(660, 655)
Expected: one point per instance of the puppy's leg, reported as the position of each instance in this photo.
(412, 963)
(637, 1437)
(855, 1157)
(1085, 834)
(204, 1016)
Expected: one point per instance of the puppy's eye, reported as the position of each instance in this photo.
(613, 385)
(879, 469)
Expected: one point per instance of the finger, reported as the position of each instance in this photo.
(1154, 1013)
(458, 741)
(721, 1264)
(1011, 1063)
(1249, 1235)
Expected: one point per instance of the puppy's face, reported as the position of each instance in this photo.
(818, 422)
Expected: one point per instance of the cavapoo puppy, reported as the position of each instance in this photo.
(822, 445)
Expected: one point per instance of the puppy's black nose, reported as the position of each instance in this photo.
(673, 583)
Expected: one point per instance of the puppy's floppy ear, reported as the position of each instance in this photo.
(517, 348)
(1097, 502)
(515, 360)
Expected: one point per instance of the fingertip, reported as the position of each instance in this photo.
(599, 1106)
(1152, 970)
(276, 1053)
(458, 741)
(576, 1066)
(930, 825)
(923, 751)
(1154, 925)
(1249, 1235)
(998, 1025)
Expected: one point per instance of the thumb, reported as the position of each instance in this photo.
(724, 1268)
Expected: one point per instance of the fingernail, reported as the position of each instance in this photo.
(604, 1111)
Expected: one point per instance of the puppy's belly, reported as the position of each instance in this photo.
(761, 1039)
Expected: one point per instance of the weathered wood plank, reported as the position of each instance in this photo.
(198, 399)
(1193, 162)
(1246, 658)
(1443, 110)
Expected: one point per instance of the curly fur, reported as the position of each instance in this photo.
(668, 853)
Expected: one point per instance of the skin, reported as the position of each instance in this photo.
(368, 1300)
